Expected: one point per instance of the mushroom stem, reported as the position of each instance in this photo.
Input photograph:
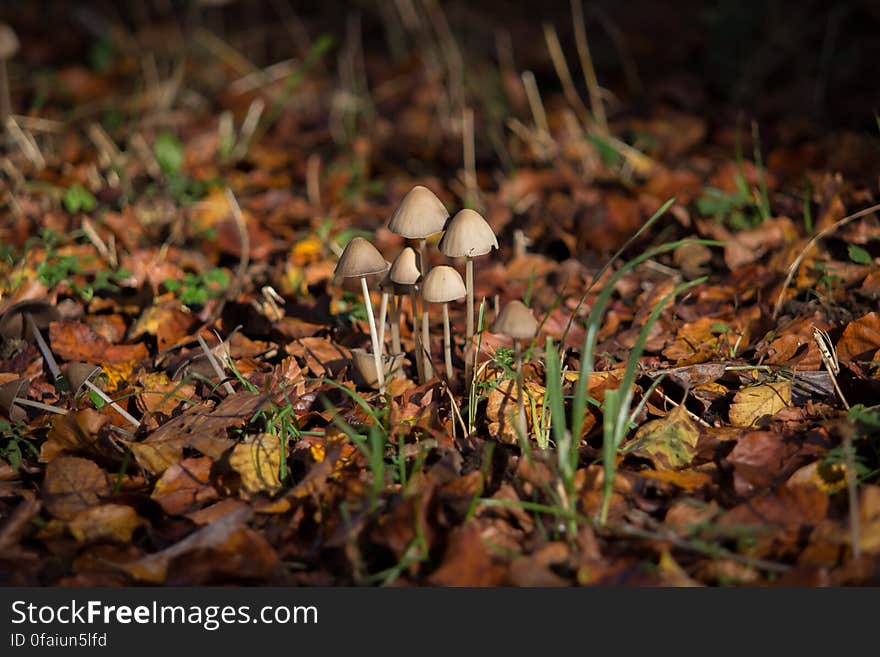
(469, 344)
(377, 357)
(116, 407)
(383, 311)
(44, 348)
(447, 343)
(395, 325)
(417, 335)
(5, 103)
(43, 407)
(423, 257)
(521, 411)
(426, 345)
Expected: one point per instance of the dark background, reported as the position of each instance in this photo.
(811, 58)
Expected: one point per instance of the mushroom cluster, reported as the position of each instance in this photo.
(467, 235)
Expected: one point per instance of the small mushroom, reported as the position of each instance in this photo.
(442, 285)
(81, 377)
(467, 236)
(404, 276)
(365, 367)
(361, 259)
(11, 393)
(8, 48)
(420, 215)
(516, 321)
(25, 320)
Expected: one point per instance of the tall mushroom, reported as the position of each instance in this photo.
(442, 285)
(361, 259)
(419, 215)
(516, 321)
(467, 236)
(404, 276)
(8, 47)
(24, 320)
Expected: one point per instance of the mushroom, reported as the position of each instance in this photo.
(365, 367)
(361, 259)
(467, 236)
(404, 276)
(442, 285)
(81, 377)
(516, 321)
(25, 320)
(8, 47)
(419, 215)
(13, 395)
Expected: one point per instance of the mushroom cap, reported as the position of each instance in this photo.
(419, 214)
(364, 365)
(360, 258)
(443, 284)
(78, 373)
(405, 269)
(516, 321)
(8, 41)
(13, 326)
(9, 393)
(467, 235)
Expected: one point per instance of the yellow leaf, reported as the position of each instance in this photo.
(115, 522)
(258, 461)
(669, 443)
(752, 404)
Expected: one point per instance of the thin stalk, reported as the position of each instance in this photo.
(426, 345)
(377, 357)
(383, 310)
(395, 325)
(447, 343)
(215, 365)
(521, 411)
(44, 348)
(116, 407)
(43, 407)
(5, 104)
(469, 344)
(417, 335)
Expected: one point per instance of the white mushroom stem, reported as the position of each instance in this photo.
(447, 342)
(469, 344)
(426, 345)
(395, 325)
(521, 411)
(417, 336)
(43, 407)
(377, 357)
(44, 348)
(116, 407)
(383, 312)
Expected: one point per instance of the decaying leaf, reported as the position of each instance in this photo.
(670, 443)
(73, 484)
(107, 522)
(751, 405)
(185, 486)
(258, 460)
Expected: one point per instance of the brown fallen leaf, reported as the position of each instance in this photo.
(77, 342)
(167, 321)
(75, 432)
(185, 486)
(751, 405)
(860, 338)
(73, 484)
(158, 394)
(258, 461)
(107, 522)
(467, 561)
(322, 356)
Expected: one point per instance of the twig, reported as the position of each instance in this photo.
(792, 269)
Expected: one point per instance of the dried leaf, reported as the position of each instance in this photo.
(185, 486)
(108, 522)
(73, 484)
(258, 461)
(670, 443)
(751, 405)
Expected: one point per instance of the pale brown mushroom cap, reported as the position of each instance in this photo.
(419, 214)
(405, 269)
(443, 284)
(360, 258)
(13, 324)
(516, 321)
(9, 44)
(467, 235)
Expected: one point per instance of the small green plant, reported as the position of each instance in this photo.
(15, 444)
(197, 289)
(56, 268)
(859, 255)
(78, 199)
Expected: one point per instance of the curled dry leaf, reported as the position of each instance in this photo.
(860, 339)
(185, 486)
(107, 522)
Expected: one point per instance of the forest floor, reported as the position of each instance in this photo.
(700, 399)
